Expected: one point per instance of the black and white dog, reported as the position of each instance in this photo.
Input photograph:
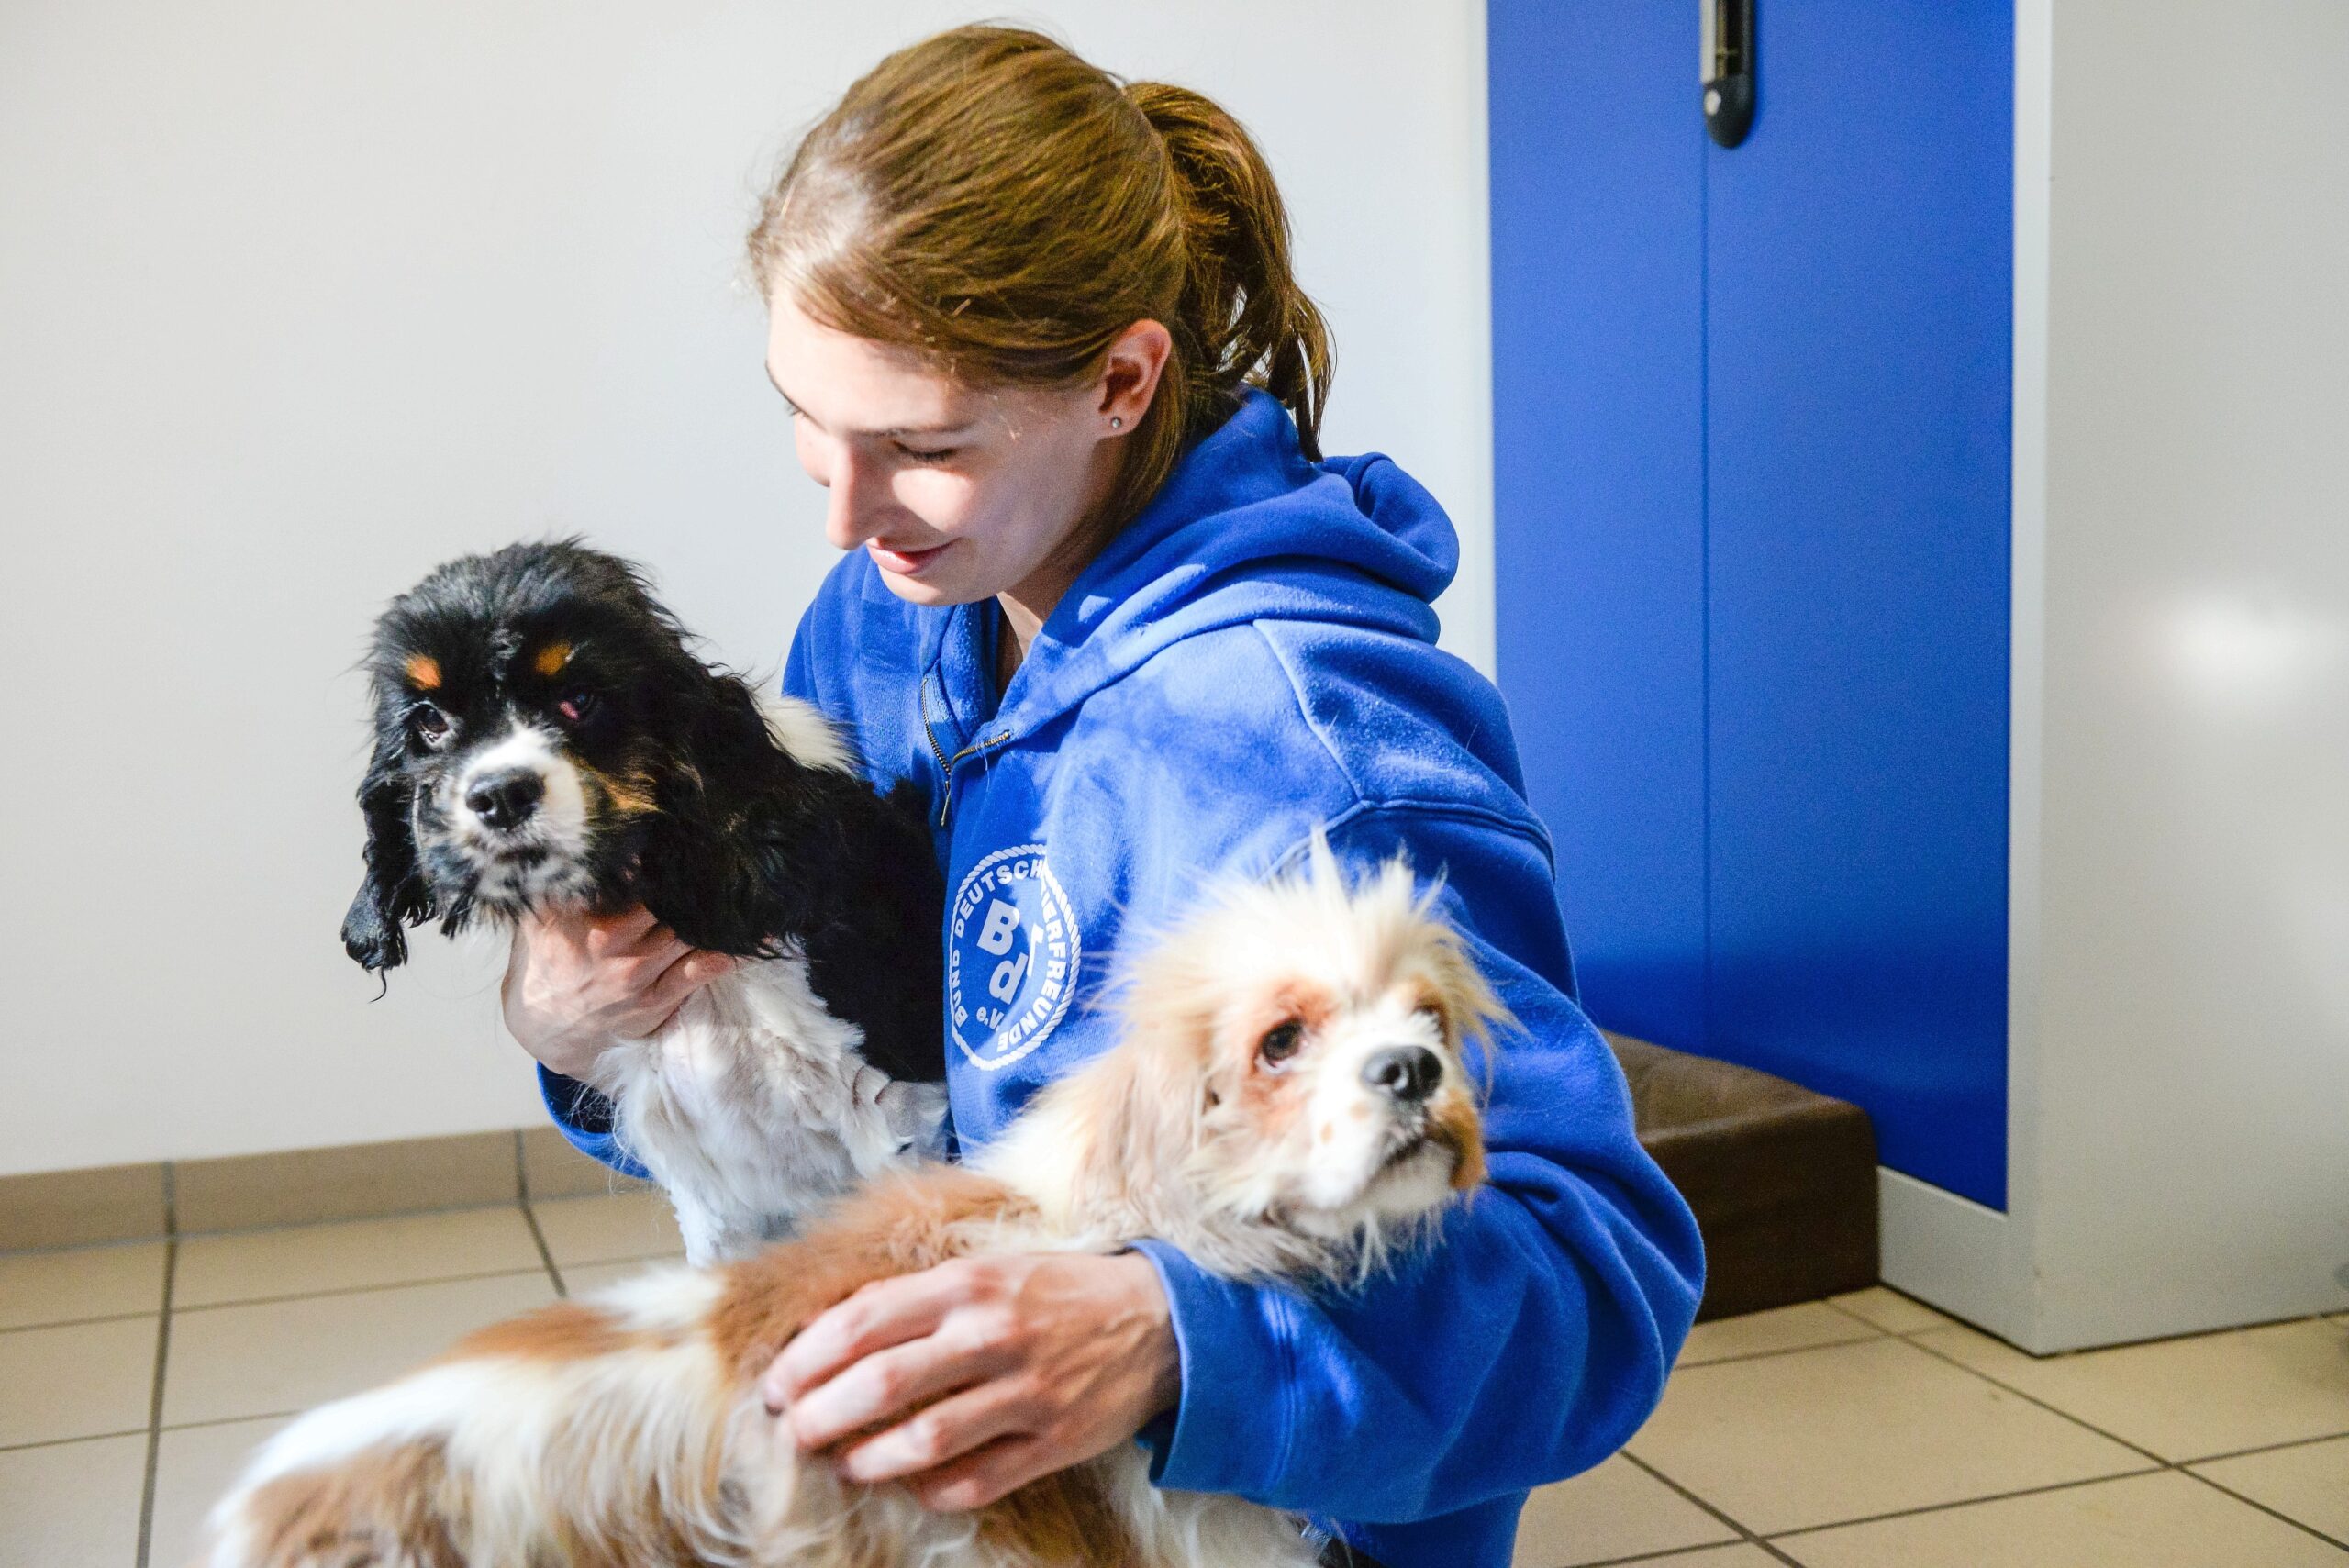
(545, 738)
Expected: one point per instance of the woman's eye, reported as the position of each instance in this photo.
(431, 726)
(916, 454)
(1280, 1044)
(576, 705)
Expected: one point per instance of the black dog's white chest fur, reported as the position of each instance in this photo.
(546, 741)
(755, 1101)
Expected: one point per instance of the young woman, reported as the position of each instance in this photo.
(1109, 608)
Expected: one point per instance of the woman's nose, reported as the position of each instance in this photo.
(852, 509)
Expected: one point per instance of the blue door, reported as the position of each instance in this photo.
(1751, 485)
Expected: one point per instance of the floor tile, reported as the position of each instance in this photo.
(88, 1282)
(1840, 1433)
(2164, 1521)
(275, 1357)
(2309, 1482)
(1796, 1328)
(580, 1278)
(193, 1467)
(1890, 1311)
(1716, 1557)
(608, 1230)
(73, 1504)
(77, 1381)
(353, 1254)
(2188, 1398)
(1615, 1510)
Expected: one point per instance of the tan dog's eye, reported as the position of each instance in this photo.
(1280, 1044)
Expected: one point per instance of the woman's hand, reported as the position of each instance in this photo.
(574, 983)
(989, 1372)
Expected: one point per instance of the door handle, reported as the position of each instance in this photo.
(1726, 71)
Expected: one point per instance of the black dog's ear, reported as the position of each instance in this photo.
(392, 894)
(729, 864)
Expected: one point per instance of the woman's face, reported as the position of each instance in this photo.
(957, 494)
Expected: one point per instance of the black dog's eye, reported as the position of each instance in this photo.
(431, 726)
(1280, 1042)
(576, 704)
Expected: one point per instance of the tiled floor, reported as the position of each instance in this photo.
(1867, 1432)
(1872, 1432)
(135, 1379)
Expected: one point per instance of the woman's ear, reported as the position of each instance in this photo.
(1131, 372)
(392, 894)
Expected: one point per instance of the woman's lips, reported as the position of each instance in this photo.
(904, 563)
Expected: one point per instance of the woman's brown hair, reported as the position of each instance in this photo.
(991, 202)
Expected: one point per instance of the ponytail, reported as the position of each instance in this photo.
(1240, 300)
(991, 202)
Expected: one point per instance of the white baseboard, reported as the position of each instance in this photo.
(1950, 1252)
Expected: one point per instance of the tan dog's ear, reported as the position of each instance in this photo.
(1115, 1137)
(1471, 1011)
(1403, 922)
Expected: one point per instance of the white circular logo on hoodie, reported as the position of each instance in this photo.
(1012, 949)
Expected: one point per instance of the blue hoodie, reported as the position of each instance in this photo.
(1254, 655)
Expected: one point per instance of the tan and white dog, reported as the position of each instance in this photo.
(1291, 1100)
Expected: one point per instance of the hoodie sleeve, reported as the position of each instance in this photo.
(1527, 1347)
(584, 1120)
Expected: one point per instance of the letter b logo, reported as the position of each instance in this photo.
(995, 933)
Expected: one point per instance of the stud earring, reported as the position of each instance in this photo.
(1116, 423)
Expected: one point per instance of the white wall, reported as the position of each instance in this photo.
(297, 300)
(2180, 1051)
(2193, 1148)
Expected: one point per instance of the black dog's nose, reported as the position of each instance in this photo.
(506, 800)
(1408, 1073)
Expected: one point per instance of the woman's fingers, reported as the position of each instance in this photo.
(951, 1430)
(609, 936)
(994, 1470)
(686, 975)
(895, 1382)
(576, 982)
(888, 1312)
(657, 953)
(970, 1379)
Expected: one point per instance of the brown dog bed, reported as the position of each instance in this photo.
(1782, 1180)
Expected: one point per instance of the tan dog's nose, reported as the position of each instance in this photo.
(1405, 1073)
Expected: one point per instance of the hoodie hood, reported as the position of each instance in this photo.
(1246, 529)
